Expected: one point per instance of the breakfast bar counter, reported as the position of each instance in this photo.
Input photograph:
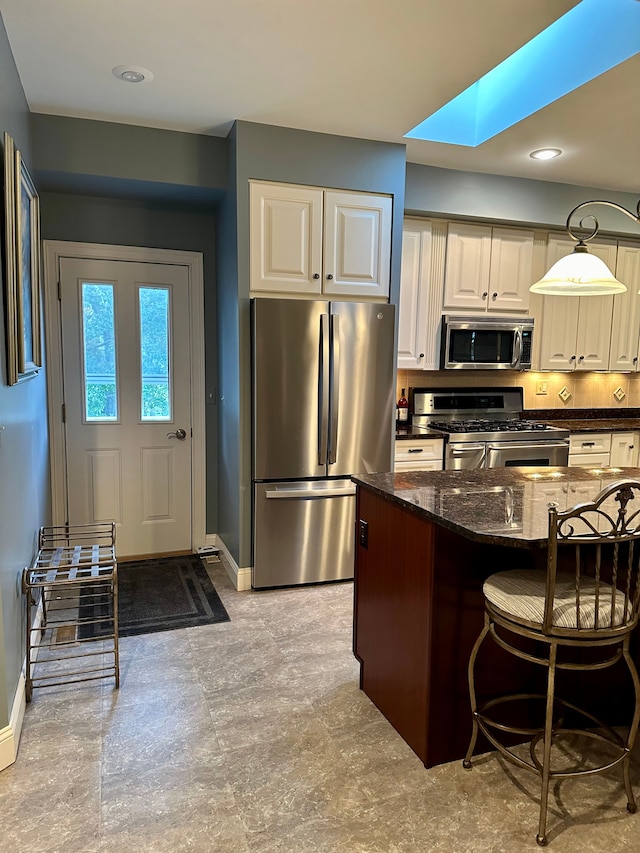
(425, 542)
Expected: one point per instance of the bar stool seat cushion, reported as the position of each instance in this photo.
(520, 594)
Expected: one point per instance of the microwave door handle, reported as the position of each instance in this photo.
(323, 390)
(517, 348)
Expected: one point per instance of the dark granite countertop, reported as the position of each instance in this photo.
(596, 425)
(626, 419)
(417, 432)
(504, 506)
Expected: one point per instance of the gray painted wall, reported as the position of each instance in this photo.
(107, 159)
(468, 195)
(24, 462)
(150, 224)
(264, 152)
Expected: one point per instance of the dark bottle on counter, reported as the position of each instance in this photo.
(402, 409)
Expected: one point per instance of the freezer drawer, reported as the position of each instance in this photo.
(303, 532)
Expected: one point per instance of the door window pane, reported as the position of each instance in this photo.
(99, 352)
(154, 353)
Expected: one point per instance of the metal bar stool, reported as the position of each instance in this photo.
(76, 573)
(588, 597)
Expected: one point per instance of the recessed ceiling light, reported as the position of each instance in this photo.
(545, 153)
(132, 73)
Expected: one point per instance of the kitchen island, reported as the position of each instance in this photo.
(425, 542)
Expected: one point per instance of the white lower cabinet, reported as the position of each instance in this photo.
(624, 449)
(587, 450)
(420, 454)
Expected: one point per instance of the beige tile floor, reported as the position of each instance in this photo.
(252, 737)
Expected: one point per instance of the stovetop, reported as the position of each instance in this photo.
(512, 429)
(488, 426)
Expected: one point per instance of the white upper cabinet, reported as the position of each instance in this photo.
(420, 308)
(625, 328)
(576, 331)
(357, 244)
(305, 240)
(286, 238)
(487, 268)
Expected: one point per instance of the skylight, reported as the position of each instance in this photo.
(591, 38)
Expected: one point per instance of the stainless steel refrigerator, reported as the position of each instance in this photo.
(323, 402)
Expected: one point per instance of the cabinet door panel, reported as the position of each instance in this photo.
(510, 277)
(357, 244)
(625, 327)
(558, 328)
(286, 238)
(624, 449)
(416, 251)
(467, 266)
(594, 332)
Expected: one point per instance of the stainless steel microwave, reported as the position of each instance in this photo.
(486, 343)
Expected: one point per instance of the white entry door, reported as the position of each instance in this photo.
(126, 374)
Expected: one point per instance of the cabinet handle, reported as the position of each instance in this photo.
(588, 444)
(485, 294)
(329, 276)
(494, 296)
(316, 275)
(416, 450)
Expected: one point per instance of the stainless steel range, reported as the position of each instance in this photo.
(485, 429)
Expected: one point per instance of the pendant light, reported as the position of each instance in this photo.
(581, 273)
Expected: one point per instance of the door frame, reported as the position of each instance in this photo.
(53, 250)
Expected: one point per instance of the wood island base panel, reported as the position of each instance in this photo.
(425, 543)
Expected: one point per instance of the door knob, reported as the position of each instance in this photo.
(179, 434)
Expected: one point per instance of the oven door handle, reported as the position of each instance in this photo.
(460, 451)
(523, 445)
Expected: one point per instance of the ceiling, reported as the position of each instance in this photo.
(366, 68)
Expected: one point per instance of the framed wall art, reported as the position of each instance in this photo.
(28, 270)
(22, 267)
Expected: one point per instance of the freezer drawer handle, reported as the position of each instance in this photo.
(310, 493)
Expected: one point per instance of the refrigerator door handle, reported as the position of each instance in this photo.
(334, 386)
(323, 390)
(310, 493)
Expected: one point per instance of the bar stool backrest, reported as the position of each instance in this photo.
(603, 536)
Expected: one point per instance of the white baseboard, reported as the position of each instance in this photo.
(240, 578)
(10, 735)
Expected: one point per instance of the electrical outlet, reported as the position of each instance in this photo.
(541, 387)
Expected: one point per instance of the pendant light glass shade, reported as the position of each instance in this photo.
(579, 274)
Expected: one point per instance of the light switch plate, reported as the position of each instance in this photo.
(619, 394)
(564, 394)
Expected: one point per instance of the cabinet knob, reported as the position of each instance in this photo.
(631, 446)
(316, 275)
(494, 295)
(421, 355)
(485, 294)
(635, 360)
(573, 358)
(329, 276)
(581, 358)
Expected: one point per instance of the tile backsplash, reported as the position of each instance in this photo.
(584, 390)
